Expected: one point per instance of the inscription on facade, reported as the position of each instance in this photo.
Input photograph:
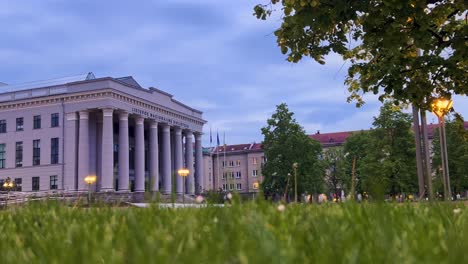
(159, 118)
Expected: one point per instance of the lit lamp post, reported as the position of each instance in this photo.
(8, 185)
(441, 107)
(90, 180)
(295, 181)
(184, 172)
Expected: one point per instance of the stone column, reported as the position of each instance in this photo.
(83, 150)
(199, 179)
(166, 158)
(139, 155)
(190, 186)
(178, 162)
(107, 154)
(70, 152)
(154, 157)
(99, 153)
(124, 173)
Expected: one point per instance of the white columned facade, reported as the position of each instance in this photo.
(154, 157)
(83, 150)
(139, 154)
(190, 186)
(70, 152)
(107, 157)
(124, 172)
(178, 163)
(166, 159)
(199, 180)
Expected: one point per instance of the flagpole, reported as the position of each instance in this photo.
(217, 158)
(211, 154)
(224, 147)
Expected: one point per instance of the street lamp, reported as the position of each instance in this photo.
(90, 180)
(295, 181)
(184, 172)
(440, 107)
(8, 185)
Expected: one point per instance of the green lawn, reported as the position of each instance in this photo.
(247, 233)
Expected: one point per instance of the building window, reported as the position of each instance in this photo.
(239, 186)
(238, 174)
(53, 182)
(36, 152)
(54, 120)
(19, 124)
(224, 175)
(254, 173)
(231, 186)
(263, 159)
(35, 183)
(18, 184)
(238, 163)
(255, 185)
(254, 161)
(3, 126)
(2, 156)
(231, 175)
(19, 154)
(223, 164)
(224, 186)
(37, 122)
(54, 150)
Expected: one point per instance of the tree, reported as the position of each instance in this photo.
(386, 154)
(381, 40)
(355, 150)
(336, 178)
(285, 142)
(457, 148)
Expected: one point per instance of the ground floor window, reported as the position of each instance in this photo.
(53, 182)
(35, 183)
(239, 186)
(18, 184)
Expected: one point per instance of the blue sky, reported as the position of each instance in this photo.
(210, 54)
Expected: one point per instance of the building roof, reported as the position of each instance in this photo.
(46, 83)
(332, 139)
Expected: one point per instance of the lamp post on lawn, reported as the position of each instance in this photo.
(8, 185)
(184, 172)
(90, 180)
(295, 165)
(441, 107)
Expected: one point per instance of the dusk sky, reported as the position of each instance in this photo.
(212, 55)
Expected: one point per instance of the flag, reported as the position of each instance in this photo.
(217, 138)
(211, 137)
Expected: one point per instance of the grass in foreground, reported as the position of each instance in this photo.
(248, 233)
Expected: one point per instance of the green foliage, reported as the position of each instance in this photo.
(457, 149)
(386, 161)
(285, 142)
(381, 40)
(248, 233)
(336, 177)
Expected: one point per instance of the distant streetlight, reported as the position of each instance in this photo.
(440, 107)
(295, 165)
(90, 180)
(184, 172)
(8, 185)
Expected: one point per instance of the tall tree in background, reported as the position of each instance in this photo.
(457, 148)
(381, 39)
(355, 150)
(285, 142)
(385, 155)
(336, 177)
